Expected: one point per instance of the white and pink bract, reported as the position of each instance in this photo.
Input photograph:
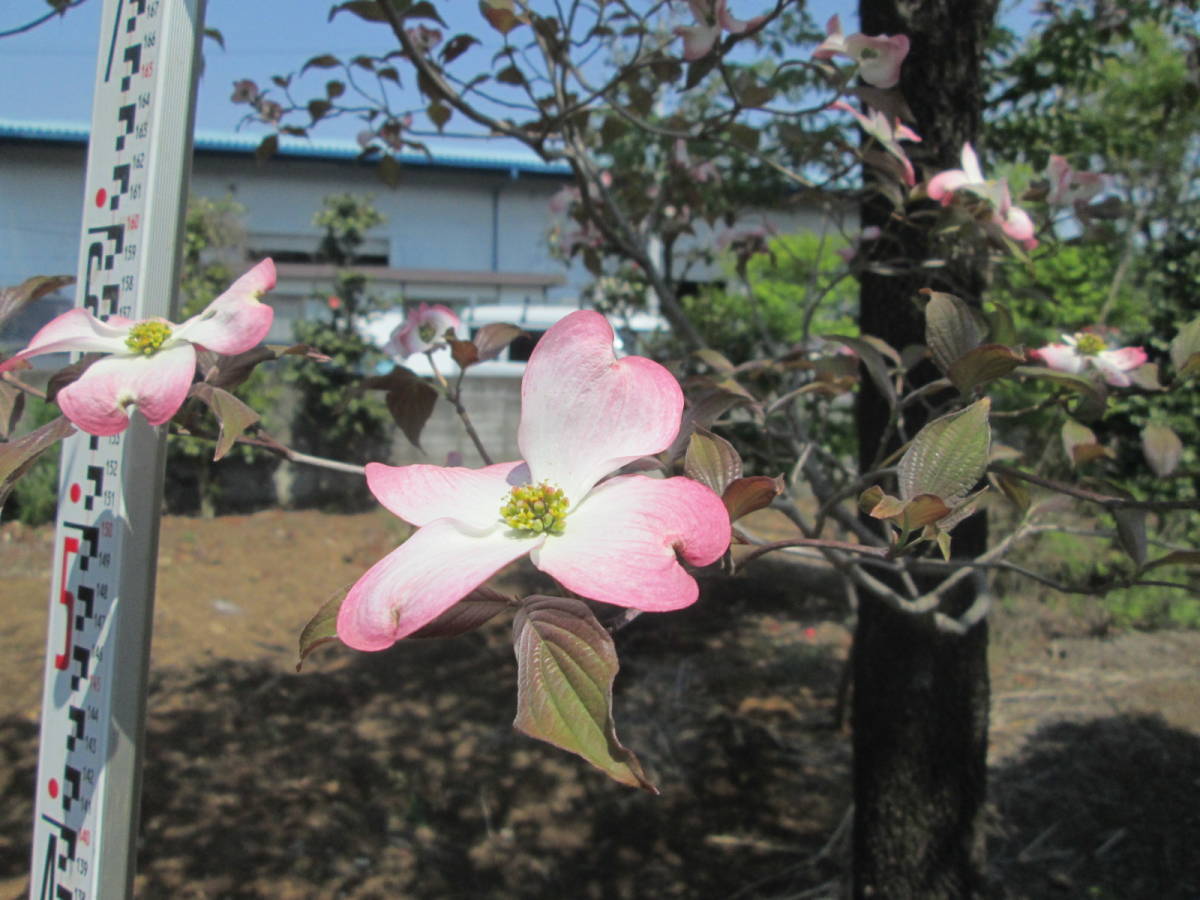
(1088, 349)
(889, 132)
(584, 415)
(712, 17)
(879, 58)
(1011, 220)
(423, 330)
(150, 363)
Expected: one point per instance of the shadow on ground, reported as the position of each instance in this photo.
(398, 773)
(1106, 809)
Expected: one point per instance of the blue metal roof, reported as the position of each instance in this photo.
(443, 154)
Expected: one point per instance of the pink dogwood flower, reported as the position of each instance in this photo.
(712, 16)
(1069, 186)
(424, 329)
(878, 58)
(889, 132)
(1011, 220)
(584, 414)
(152, 362)
(1086, 348)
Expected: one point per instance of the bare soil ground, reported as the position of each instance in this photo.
(398, 774)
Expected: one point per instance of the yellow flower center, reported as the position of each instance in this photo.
(427, 332)
(533, 509)
(147, 338)
(1089, 344)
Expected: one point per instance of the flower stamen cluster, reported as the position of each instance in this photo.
(536, 509)
(147, 338)
(1089, 344)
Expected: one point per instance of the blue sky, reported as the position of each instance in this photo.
(48, 72)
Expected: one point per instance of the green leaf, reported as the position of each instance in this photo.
(948, 456)
(1175, 558)
(368, 10)
(317, 108)
(390, 171)
(500, 15)
(1001, 327)
(612, 129)
(1184, 349)
(12, 404)
(951, 328)
(410, 401)
(745, 136)
(745, 495)
(1145, 377)
(1080, 445)
(1162, 448)
(566, 665)
(943, 542)
(233, 415)
(887, 507)
(214, 35)
(510, 75)
(321, 628)
(457, 46)
(981, 365)
(715, 360)
(228, 372)
(334, 89)
(423, 9)
(17, 456)
(1131, 533)
(14, 299)
(922, 510)
(1014, 489)
(324, 61)
(267, 148)
(1093, 396)
(439, 114)
(698, 69)
(870, 498)
(872, 356)
(476, 609)
(712, 461)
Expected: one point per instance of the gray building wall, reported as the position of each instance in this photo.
(487, 225)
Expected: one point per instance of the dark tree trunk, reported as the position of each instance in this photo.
(921, 697)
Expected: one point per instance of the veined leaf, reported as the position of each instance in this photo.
(17, 456)
(233, 415)
(712, 461)
(1162, 448)
(948, 456)
(566, 664)
(951, 328)
(321, 628)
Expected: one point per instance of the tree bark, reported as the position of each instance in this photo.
(921, 697)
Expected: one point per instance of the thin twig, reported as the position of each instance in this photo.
(1108, 502)
(454, 396)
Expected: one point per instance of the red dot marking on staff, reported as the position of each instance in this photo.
(76, 493)
(101, 196)
(53, 788)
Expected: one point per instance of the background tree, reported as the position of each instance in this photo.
(920, 695)
(332, 416)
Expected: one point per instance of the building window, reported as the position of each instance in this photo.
(521, 348)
